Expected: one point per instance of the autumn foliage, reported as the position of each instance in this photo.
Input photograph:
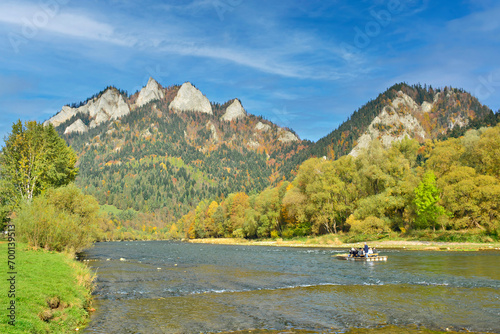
(441, 185)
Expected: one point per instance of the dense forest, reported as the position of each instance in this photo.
(155, 160)
(450, 185)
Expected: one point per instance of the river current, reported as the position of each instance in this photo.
(175, 287)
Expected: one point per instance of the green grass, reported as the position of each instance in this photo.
(42, 276)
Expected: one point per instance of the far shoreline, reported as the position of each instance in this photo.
(379, 244)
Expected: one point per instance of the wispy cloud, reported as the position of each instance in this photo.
(294, 56)
(485, 21)
(30, 19)
(267, 63)
(299, 54)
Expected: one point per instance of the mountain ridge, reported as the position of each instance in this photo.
(436, 111)
(160, 155)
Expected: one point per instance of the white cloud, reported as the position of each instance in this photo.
(270, 53)
(252, 59)
(480, 22)
(30, 19)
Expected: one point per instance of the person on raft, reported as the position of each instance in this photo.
(353, 252)
(366, 248)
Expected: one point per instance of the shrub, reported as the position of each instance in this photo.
(62, 219)
(370, 225)
(287, 233)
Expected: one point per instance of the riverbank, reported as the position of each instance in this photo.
(331, 241)
(49, 292)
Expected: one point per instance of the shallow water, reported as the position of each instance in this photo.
(173, 287)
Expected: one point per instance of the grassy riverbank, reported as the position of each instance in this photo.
(52, 292)
(334, 241)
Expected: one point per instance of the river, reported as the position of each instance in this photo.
(175, 287)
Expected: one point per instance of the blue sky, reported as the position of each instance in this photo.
(303, 64)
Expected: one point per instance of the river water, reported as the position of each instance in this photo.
(174, 287)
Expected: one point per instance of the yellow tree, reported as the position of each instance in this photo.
(210, 225)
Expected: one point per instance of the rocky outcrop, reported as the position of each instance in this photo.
(286, 136)
(457, 121)
(252, 144)
(262, 127)
(152, 91)
(234, 111)
(109, 106)
(77, 126)
(62, 116)
(389, 126)
(213, 130)
(426, 107)
(189, 98)
(404, 100)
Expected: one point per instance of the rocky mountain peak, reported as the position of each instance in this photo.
(62, 116)
(404, 100)
(108, 106)
(152, 91)
(234, 111)
(189, 98)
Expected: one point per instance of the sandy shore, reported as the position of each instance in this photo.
(387, 244)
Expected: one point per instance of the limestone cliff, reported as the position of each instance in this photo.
(189, 98)
(152, 91)
(262, 127)
(109, 106)
(394, 123)
(62, 116)
(234, 111)
(78, 126)
(286, 136)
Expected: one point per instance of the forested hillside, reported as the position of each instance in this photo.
(451, 185)
(157, 159)
(442, 112)
(154, 155)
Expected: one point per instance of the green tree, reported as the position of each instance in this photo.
(35, 158)
(218, 219)
(426, 201)
(385, 182)
(330, 198)
(210, 224)
(268, 207)
(322, 194)
(445, 156)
